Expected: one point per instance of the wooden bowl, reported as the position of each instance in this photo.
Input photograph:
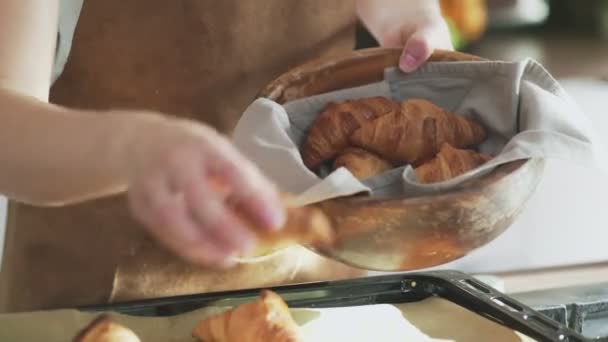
(399, 234)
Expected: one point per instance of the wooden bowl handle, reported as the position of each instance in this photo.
(344, 71)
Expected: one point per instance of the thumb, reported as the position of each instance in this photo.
(417, 50)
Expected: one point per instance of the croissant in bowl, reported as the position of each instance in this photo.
(361, 163)
(372, 135)
(329, 133)
(449, 163)
(415, 134)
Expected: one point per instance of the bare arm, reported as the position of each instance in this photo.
(48, 154)
(51, 155)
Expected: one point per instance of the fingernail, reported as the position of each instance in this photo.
(408, 62)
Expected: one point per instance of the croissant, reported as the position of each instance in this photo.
(449, 163)
(415, 134)
(329, 132)
(102, 329)
(265, 319)
(307, 225)
(361, 163)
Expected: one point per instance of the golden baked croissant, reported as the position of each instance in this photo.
(307, 225)
(262, 320)
(416, 133)
(361, 163)
(102, 329)
(449, 163)
(329, 132)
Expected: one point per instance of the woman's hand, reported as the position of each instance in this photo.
(181, 176)
(415, 25)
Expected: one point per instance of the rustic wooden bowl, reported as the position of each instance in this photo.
(398, 234)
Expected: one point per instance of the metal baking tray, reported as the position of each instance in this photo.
(456, 287)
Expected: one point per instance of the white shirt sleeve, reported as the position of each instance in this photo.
(69, 12)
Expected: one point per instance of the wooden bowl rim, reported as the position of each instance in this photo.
(275, 88)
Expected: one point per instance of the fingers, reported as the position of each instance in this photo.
(181, 194)
(210, 213)
(421, 44)
(251, 193)
(192, 222)
(165, 215)
(417, 50)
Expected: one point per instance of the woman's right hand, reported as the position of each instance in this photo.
(58, 155)
(181, 176)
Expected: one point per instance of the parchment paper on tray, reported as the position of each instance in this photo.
(431, 320)
(526, 112)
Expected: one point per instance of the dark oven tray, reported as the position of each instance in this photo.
(456, 287)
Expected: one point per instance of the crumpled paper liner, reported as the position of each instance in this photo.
(430, 320)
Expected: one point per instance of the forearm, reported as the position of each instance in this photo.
(50, 155)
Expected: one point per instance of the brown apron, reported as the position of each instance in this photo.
(203, 59)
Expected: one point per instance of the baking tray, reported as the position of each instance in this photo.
(455, 287)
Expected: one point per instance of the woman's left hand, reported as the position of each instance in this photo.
(415, 25)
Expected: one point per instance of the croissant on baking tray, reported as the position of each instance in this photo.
(262, 320)
(329, 132)
(361, 163)
(103, 329)
(416, 133)
(449, 163)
